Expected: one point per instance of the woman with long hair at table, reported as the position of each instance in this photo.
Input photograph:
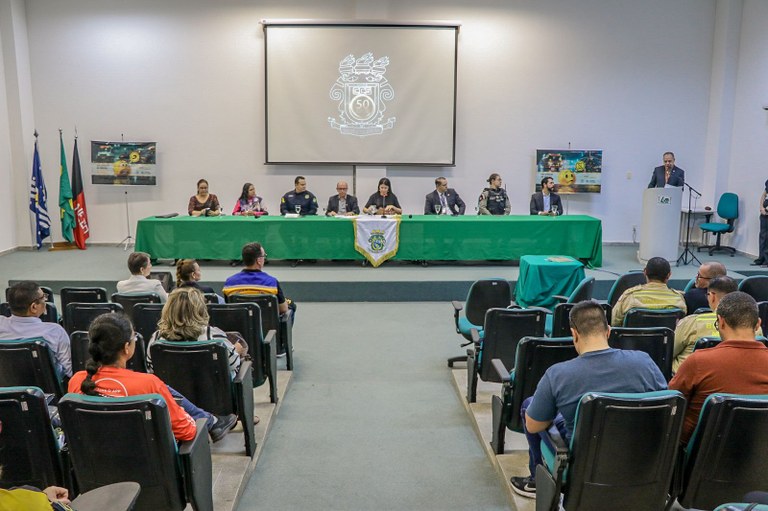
(383, 201)
(249, 204)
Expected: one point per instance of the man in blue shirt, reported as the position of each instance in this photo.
(598, 368)
(299, 200)
(27, 302)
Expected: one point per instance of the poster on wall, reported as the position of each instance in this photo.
(123, 163)
(574, 171)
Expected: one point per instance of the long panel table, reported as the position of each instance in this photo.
(422, 237)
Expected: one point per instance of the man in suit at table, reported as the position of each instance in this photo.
(342, 203)
(546, 202)
(449, 201)
(668, 174)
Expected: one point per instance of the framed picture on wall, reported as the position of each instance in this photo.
(574, 171)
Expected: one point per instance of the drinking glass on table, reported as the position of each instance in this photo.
(297, 207)
(554, 209)
(438, 207)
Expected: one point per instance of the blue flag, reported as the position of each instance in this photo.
(38, 201)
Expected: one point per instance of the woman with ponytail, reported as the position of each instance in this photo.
(112, 344)
(188, 274)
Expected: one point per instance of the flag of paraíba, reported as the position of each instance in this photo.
(82, 232)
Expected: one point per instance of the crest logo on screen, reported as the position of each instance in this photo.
(361, 91)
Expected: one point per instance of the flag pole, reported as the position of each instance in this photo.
(33, 218)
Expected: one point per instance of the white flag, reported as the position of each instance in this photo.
(377, 238)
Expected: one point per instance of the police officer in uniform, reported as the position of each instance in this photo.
(494, 199)
(305, 200)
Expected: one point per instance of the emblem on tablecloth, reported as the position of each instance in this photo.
(377, 241)
(377, 238)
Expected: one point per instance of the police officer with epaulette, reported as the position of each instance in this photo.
(299, 200)
(494, 199)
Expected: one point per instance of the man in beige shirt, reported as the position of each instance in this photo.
(655, 294)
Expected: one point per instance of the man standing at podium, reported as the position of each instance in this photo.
(667, 174)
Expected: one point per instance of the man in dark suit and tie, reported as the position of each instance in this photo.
(446, 198)
(668, 174)
(546, 202)
(342, 203)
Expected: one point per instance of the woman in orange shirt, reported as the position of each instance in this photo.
(112, 344)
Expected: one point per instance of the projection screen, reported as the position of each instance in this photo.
(360, 94)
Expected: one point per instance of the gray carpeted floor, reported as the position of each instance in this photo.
(371, 420)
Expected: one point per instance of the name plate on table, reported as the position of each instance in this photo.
(376, 238)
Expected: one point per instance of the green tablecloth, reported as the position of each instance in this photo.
(422, 237)
(541, 278)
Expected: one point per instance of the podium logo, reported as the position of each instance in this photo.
(664, 199)
(361, 91)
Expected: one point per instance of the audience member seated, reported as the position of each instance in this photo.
(738, 365)
(249, 204)
(696, 297)
(696, 326)
(598, 368)
(188, 274)
(546, 202)
(253, 281)
(446, 198)
(655, 294)
(383, 201)
(140, 266)
(185, 318)
(204, 203)
(493, 199)
(342, 203)
(112, 344)
(31, 499)
(299, 200)
(27, 303)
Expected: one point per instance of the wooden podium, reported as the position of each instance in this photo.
(660, 224)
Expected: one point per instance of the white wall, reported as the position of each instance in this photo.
(16, 125)
(747, 170)
(631, 78)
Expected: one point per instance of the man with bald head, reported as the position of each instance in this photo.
(342, 203)
(696, 297)
(668, 174)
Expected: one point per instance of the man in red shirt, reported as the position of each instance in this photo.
(738, 365)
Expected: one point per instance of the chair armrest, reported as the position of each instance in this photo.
(475, 335)
(560, 298)
(557, 439)
(243, 385)
(188, 446)
(115, 496)
(245, 367)
(501, 370)
(457, 307)
(196, 463)
(271, 339)
(559, 455)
